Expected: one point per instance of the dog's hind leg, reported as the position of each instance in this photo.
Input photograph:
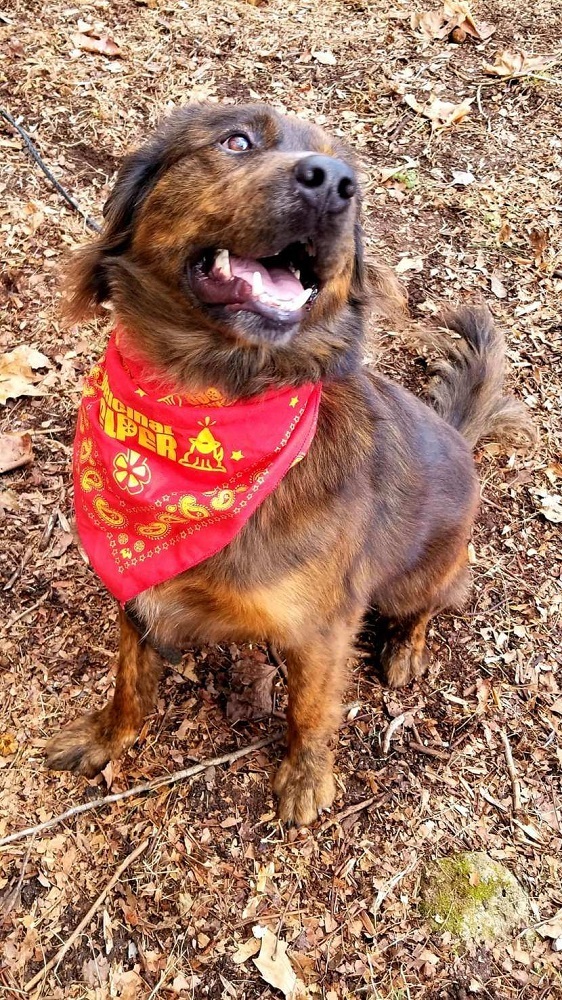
(88, 743)
(304, 783)
(404, 655)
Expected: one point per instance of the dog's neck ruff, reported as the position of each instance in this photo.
(164, 480)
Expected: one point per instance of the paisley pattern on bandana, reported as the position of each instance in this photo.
(164, 480)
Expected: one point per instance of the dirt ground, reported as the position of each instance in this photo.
(471, 210)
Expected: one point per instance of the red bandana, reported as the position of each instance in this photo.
(162, 482)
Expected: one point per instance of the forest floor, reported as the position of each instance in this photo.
(469, 210)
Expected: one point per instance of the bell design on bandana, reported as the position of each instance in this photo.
(206, 453)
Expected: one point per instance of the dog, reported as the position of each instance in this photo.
(232, 257)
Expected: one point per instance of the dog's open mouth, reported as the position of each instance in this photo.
(278, 287)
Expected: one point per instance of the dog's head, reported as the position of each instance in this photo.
(232, 250)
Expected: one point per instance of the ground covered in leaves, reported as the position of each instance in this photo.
(462, 172)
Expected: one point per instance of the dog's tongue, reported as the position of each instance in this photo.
(279, 283)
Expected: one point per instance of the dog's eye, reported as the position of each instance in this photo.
(237, 143)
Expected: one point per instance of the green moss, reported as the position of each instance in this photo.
(409, 178)
(472, 897)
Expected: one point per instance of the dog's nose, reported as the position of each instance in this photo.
(325, 183)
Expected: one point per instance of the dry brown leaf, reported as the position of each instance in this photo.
(101, 44)
(442, 114)
(550, 505)
(245, 951)
(552, 928)
(8, 744)
(251, 694)
(18, 372)
(15, 451)
(439, 24)
(326, 58)
(274, 966)
(512, 63)
(498, 288)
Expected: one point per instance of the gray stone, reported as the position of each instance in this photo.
(473, 897)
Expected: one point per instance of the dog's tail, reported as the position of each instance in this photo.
(470, 369)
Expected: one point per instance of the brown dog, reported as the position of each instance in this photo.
(378, 513)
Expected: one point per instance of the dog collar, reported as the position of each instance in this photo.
(164, 480)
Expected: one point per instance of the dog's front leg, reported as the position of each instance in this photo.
(88, 743)
(304, 783)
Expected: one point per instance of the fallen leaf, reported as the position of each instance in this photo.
(463, 178)
(107, 932)
(63, 542)
(499, 289)
(552, 927)
(246, 950)
(538, 239)
(18, 372)
(15, 451)
(326, 58)
(442, 114)
(274, 966)
(456, 15)
(557, 706)
(483, 691)
(101, 44)
(251, 689)
(409, 264)
(512, 63)
(8, 744)
(550, 505)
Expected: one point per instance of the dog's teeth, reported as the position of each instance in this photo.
(295, 271)
(299, 302)
(222, 263)
(257, 283)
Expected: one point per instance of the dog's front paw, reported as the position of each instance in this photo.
(85, 746)
(404, 662)
(305, 787)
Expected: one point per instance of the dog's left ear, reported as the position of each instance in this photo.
(88, 285)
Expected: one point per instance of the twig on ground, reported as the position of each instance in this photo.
(13, 897)
(147, 786)
(350, 811)
(515, 786)
(86, 920)
(428, 751)
(278, 660)
(396, 723)
(91, 223)
(22, 614)
(19, 569)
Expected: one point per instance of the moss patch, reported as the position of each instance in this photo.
(472, 897)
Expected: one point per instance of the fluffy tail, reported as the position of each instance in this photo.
(468, 391)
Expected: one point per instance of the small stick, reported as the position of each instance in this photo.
(393, 727)
(515, 786)
(278, 660)
(147, 786)
(85, 920)
(350, 811)
(22, 614)
(48, 531)
(428, 751)
(13, 897)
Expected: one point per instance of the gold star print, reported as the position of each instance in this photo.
(140, 392)
(294, 401)
(236, 456)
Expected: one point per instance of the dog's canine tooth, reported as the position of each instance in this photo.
(295, 270)
(257, 283)
(222, 262)
(299, 302)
